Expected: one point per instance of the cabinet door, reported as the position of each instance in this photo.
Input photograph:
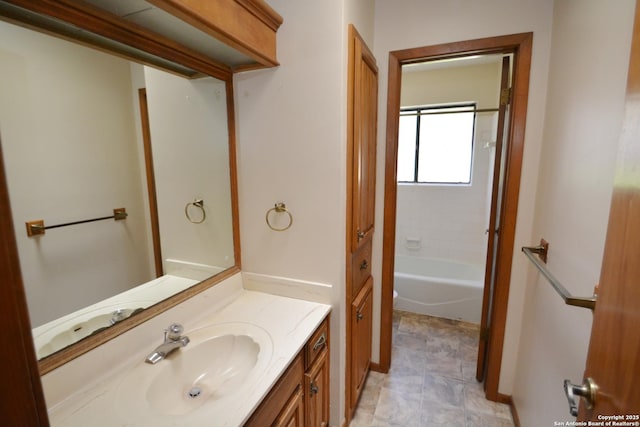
(292, 414)
(317, 392)
(361, 311)
(364, 104)
(279, 407)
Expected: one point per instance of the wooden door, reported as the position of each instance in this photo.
(494, 217)
(613, 360)
(364, 116)
(361, 319)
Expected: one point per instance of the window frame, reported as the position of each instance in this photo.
(418, 110)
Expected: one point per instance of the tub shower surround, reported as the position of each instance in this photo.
(441, 222)
(439, 287)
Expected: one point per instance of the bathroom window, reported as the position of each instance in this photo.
(435, 144)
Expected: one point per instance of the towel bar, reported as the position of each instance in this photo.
(37, 227)
(541, 251)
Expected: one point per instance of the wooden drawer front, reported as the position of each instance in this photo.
(360, 268)
(318, 342)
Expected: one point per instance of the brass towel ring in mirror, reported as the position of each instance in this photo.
(198, 203)
(279, 208)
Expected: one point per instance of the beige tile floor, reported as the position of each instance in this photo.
(431, 381)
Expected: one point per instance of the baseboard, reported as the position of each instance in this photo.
(503, 398)
(375, 367)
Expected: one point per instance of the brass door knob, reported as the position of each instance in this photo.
(587, 391)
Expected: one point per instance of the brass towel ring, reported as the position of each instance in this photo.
(198, 203)
(279, 208)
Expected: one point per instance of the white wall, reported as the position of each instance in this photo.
(450, 220)
(290, 140)
(428, 22)
(291, 124)
(587, 76)
(361, 13)
(69, 158)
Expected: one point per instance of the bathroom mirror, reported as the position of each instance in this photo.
(85, 133)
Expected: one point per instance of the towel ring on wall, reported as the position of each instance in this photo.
(198, 203)
(279, 208)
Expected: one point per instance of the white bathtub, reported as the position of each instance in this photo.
(439, 287)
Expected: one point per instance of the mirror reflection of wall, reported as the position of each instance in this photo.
(191, 160)
(72, 142)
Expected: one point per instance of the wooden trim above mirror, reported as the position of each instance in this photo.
(253, 34)
(247, 26)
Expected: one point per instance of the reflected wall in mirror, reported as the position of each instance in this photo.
(72, 136)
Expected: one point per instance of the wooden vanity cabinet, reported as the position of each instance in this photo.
(301, 395)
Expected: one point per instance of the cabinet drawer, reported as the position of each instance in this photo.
(360, 268)
(318, 342)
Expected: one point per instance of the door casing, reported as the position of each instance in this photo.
(520, 46)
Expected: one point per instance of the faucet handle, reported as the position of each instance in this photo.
(174, 331)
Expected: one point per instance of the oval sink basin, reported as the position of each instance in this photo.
(212, 369)
(218, 362)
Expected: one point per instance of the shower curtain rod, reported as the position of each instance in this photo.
(426, 112)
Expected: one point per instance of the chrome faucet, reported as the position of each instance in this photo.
(119, 315)
(172, 341)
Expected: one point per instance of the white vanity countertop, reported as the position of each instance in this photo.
(289, 323)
